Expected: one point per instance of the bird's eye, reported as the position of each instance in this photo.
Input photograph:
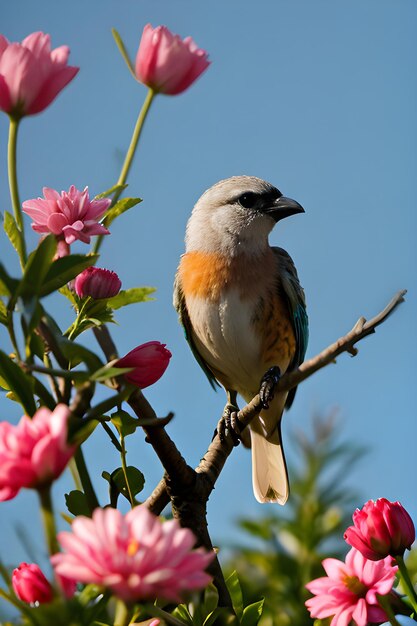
(248, 200)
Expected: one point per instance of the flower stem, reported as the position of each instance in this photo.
(85, 479)
(123, 614)
(406, 581)
(384, 603)
(129, 155)
(13, 186)
(124, 468)
(156, 611)
(48, 519)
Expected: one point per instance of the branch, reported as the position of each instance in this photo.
(213, 461)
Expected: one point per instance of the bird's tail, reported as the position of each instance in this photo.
(269, 470)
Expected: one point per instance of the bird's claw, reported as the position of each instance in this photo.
(268, 383)
(229, 425)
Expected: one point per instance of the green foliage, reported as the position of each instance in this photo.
(20, 384)
(130, 296)
(13, 233)
(118, 486)
(120, 207)
(76, 502)
(294, 540)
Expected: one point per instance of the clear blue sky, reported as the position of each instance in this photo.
(319, 98)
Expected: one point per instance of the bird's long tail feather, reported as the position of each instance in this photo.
(269, 471)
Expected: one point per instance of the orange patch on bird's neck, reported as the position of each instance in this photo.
(207, 275)
(204, 274)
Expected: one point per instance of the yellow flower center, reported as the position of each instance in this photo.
(355, 585)
(133, 547)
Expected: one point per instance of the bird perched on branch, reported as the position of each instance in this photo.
(243, 312)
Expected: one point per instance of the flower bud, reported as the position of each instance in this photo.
(381, 528)
(30, 584)
(166, 63)
(149, 361)
(97, 283)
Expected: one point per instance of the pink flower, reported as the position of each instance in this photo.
(349, 591)
(69, 216)
(166, 63)
(31, 74)
(30, 584)
(35, 452)
(149, 361)
(97, 283)
(381, 528)
(136, 556)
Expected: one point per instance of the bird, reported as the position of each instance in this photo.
(243, 311)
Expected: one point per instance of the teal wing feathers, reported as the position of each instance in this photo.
(181, 308)
(295, 297)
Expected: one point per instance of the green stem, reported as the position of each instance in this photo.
(48, 519)
(25, 609)
(85, 479)
(123, 614)
(406, 581)
(124, 467)
(14, 189)
(156, 611)
(75, 475)
(130, 154)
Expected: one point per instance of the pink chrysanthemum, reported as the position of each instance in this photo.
(70, 215)
(34, 452)
(349, 591)
(136, 556)
(31, 74)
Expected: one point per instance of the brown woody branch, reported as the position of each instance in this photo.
(213, 461)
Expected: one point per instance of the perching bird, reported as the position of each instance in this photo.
(243, 310)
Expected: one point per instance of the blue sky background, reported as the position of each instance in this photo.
(319, 98)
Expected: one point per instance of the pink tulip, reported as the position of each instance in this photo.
(30, 584)
(69, 216)
(149, 361)
(31, 74)
(35, 452)
(381, 528)
(97, 283)
(136, 556)
(349, 591)
(166, 63)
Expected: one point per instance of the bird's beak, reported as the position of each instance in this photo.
(283, 207)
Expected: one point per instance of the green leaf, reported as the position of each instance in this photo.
(74, 352)
(106, 372)
(71, 295)
(3, 313)
(18, 382)
(77, 504)
(235, 591)
(120, 207)
(252, 613)
(123, 51)
(181, 612)
(79, 430)
(36, 268)
(8, 285)
(109, 192)
(13, 233)
(135, 477)
(65, 269)
(130, 296)
(113, 490)
(125, 423)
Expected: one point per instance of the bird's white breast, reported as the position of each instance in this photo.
(226, 338)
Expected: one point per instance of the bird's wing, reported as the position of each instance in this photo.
(181, 308)
(295, 297)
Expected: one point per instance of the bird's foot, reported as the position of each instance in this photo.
(228, 425)
(268, 383)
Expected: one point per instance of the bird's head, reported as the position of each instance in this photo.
(237, 213)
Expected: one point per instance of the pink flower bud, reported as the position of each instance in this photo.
(166, 63)
(35, 452)
(149, 361)
(97, 283)
(30, 584)
(31, 74)
(380, 529)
